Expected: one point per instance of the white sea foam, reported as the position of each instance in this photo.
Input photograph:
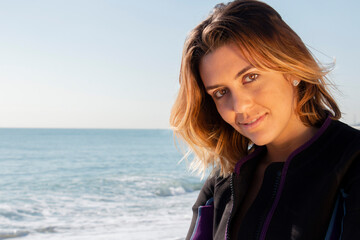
(88, 219)
(59, 184)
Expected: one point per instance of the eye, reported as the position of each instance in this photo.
(250, 77)
(219, 93)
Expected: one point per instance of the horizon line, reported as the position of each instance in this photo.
(84, 128)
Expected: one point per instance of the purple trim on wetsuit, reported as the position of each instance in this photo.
(238, 165)
(256, 152)
(284, 172)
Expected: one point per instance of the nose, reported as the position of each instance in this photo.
(242, 101)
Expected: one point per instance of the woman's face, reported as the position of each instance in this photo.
(258, 104)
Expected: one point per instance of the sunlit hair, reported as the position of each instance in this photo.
(268, 43)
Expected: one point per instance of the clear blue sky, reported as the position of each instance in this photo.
(115, 64)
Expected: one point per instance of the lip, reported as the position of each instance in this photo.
(250, 124)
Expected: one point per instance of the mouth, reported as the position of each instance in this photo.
(253, 122)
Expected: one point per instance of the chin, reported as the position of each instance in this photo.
(260, 140)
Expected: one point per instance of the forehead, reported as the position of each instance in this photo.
(222, 63)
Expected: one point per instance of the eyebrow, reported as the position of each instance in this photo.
(241, 72)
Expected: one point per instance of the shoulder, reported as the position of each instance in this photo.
(342, 137)
(344, 140)
(335, 150)
(216, 183)
(348, 136)
(343, 131)
(213, 187)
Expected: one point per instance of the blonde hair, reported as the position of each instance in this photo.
(268, 43)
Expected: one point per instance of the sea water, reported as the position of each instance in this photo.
(93, 184)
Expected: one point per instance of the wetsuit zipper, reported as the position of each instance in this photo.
(263, 217)
(227, 234)
(261, 223)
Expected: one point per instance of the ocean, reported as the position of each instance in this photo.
(93, 184)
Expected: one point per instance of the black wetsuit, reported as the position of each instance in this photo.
(315, 194)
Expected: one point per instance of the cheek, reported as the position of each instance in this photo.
(225, 113)
(279, 98)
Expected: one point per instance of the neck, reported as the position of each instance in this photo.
(280, 151)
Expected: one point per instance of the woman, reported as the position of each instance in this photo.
(253, 105)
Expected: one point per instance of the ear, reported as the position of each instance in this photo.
(295, 82)
(292, 79)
